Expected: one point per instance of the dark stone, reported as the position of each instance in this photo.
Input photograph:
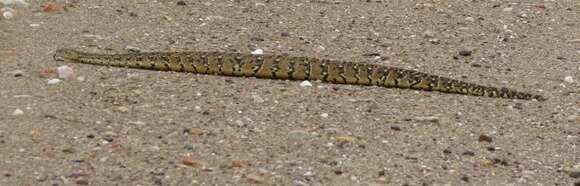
(465, 52)
(468, 153)
(485, 138)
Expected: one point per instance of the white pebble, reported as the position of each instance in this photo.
(64, 72)
(258, 52)
(240, 123)
(429, 34)
(324, 115)
(132, 48)
(569, 79)
(17, 112)
(7, 13)
(257, 98)
(138, 123)
(470, 19)
(81, 78)
(154, 148)
(34, 25)
(54, 81)
(508, 9)
(305, 84)
(428, 118)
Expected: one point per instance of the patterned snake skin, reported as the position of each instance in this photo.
(291, 68)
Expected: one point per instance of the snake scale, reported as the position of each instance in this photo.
(290, 68)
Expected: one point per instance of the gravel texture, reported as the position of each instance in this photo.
(112, 126)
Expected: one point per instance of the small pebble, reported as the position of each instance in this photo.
(434, 41)
(110, 136)
(54, 81)
(69, 150)
(382, 180)
(569, 79)
(41, 178)
(257, 98)
(465, 52)
(132, 48)
(81, 78)
(324, 115)
(342, 140)
(429, 34)
(181, 3)
(306, 84)
(487, 162)
(93, 36)
(485, 138)
(507, 9)
(123, 109)
(298, 135)
(300, 183)
(18, 73)
(154, 148)
(470, 19)
(194, 131)
(82, 182)
(468, 153)
(8, 14)
(17, 112)
(189, 161)
(572, 118)
(427, 5)
(285, 34)
(396, 128)
(138, 123)
(428, 119)
(254, 178)
(240, 123)
(53, 7)
(64, 72)
(257, 52)
(237, 163)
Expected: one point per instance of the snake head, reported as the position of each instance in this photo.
(65, 54)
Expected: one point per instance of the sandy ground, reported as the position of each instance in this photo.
(114, 126)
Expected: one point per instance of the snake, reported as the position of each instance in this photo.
(287, 67)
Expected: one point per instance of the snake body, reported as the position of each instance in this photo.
(290, 68)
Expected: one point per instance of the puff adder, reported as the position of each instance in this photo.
(290, 68)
